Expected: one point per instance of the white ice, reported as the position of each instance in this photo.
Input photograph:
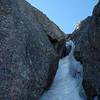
(68, 79)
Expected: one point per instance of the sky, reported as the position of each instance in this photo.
(65, 13)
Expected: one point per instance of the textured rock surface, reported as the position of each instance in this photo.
(30, 46)
(87, 39)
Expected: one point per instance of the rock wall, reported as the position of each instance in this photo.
(87, 39)
(30, 47)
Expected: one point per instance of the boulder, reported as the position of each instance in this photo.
(87, 40)
(30, 48)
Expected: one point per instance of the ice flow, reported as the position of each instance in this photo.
(67, 83)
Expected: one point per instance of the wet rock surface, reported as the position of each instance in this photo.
(30, 47)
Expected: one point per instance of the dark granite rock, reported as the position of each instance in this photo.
(87, 39)
(30, 47)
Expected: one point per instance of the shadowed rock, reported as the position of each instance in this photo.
(87, 39)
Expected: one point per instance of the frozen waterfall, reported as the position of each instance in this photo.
(67, 84)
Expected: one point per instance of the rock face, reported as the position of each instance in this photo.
(87, 39)
(30, 47)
